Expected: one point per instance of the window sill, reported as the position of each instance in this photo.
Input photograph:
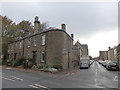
(42, 61)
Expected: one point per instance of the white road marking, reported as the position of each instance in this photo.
(93, 64)
(100, 67)
(8, 79)
(17, 78)
(96, 72)
(96, 77)
(40, 86)
(115, 78)
(1, 73)
(33, 86)
(8, 68)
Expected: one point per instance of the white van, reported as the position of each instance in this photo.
(84, 64)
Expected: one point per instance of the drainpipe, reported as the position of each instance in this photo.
(23, 48)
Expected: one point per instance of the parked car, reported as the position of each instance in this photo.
(104, 63)
(84, 64)
(91, 62)
(112, 66)
(100, 61)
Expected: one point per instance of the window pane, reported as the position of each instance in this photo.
(43, 40)
(43, 56)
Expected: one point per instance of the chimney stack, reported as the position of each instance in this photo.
(63, 27)
(72, 36)
(109, 48)
(37, 27)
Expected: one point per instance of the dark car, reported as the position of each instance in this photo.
(91, 62)
(112, 66)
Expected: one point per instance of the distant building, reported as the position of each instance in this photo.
(47, 47)
(118, 54)
(85, 50)
(81, 50)
(103, 55)
(111, 54)
(96, 58)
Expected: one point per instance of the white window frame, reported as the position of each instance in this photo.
(43, 39)
(42, 61)
(20, 44)
(29, 44)
(35, 42)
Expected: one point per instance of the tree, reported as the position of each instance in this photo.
(6, 33)
(24, 28)
(90, 57)
(11, 32)
(44, 25)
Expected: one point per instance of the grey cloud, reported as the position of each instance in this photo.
(82, 18)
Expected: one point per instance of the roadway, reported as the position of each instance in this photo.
(94, 77)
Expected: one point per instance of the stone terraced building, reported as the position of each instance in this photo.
(46, 47)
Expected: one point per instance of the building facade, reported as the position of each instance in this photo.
(46, 47)
(103, 55)
(111, 55)
(84, 50)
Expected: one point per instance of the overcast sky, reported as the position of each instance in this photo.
(92, 23)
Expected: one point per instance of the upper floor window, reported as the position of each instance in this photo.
(28, 43)
(43, 40)
(20, 44)
(34, 42)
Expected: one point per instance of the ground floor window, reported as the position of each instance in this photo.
(8, 56)
(43, 56)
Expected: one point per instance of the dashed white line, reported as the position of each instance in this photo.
(96, 77)
(115, 78)
(33, 86)
(40, 86)
(17, 78)
(93, 65)
(100, 67)
(96, 72)
(8, 79)
(1, 73)
(8, 68)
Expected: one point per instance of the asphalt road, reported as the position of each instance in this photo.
(94, 77)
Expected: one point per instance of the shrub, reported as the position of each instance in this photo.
(34, 67)
(58, 65)
(4, 62)
(20, 66)
(40, 66)
(30, 64)
(20, 61)
(9, 62)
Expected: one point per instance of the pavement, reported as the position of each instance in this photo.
(96, 77)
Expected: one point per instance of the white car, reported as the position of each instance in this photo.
(84, 64)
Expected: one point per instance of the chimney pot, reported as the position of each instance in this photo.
(72, 35)
(63, 27)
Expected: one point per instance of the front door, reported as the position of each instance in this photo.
(34, 56)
